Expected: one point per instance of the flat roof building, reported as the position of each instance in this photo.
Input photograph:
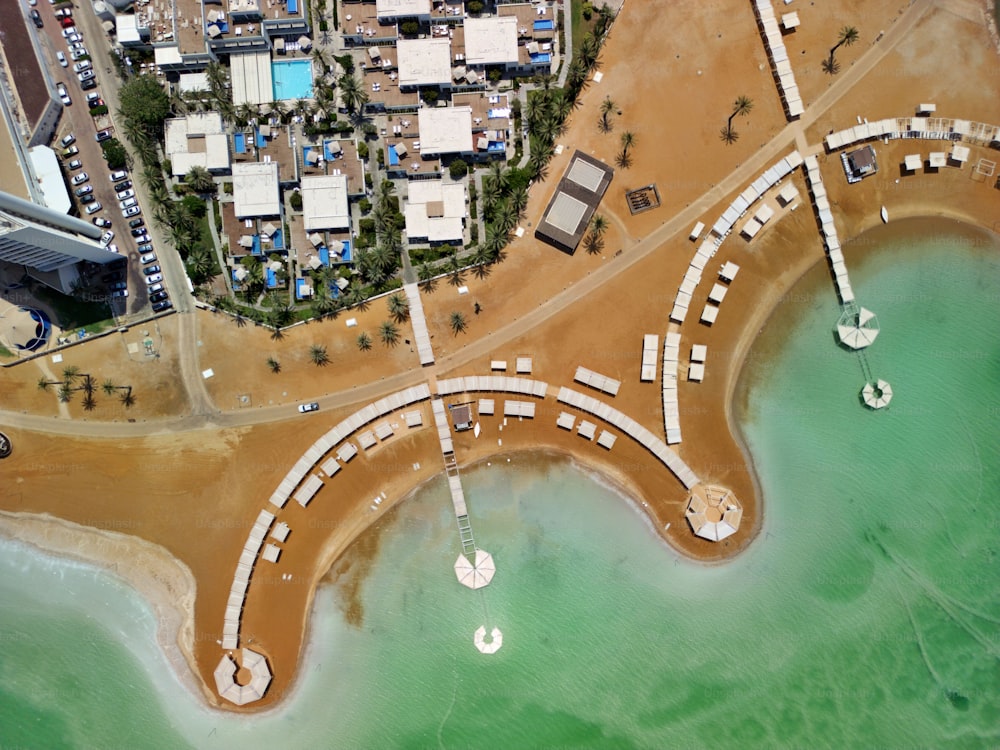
(424, 62)
(445, 130)
(49, 243)
(255, 189)
(324, 202)
(435, 212)
(197, 140)
(577, 196)
(491, 41)
(390, 10)
(50, 180)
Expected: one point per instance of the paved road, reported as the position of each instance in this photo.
(776, 147)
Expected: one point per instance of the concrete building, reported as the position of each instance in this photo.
(50, 245)
(324, 203)
(445, 130)
(388, 11)
(424, 62)
(435, 212)
(250, 75)
(255, 190)
(491, 41)
(197, 140)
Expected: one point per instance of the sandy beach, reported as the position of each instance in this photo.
(180, 502)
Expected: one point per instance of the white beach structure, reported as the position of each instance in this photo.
(877, 395)
(858, 330)
(714, 516)
(475, 573)
(231, 690)
(484, 646)
(424, 62)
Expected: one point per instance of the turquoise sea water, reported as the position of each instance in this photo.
(866, 614)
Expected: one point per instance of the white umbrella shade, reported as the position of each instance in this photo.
(475, 574)
(877, 396)
(859, 332)
(493, 645)
(232, 691)
(224, 674)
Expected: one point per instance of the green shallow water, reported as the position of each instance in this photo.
(866, 614)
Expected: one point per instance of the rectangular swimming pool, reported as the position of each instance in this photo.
(292, 79)
(541, 57)
(544, 26)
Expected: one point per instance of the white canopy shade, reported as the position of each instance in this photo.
(475, 574)
(491, 647)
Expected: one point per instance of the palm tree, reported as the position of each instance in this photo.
(200, 179)
(88, 385)
(109, 387)
(741, 107)
(273, 365)
(607, 107)
(318, 355)
(457, 276)
(278, 109)
(199, 262)
(728, 135)
(458, 322)
(65, 393)
(593, 244)
(545, 81)
(847, 37)
(364, 341)
(628, 141)
(399, 307)
(70, 373)
(426, 274)
(389, 333)
(352, 93)
(319, 56)
(598, 225)
(127, 399)
(88, 402)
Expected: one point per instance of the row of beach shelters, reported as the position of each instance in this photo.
(830, 240)
(926, 128)
(775, 44)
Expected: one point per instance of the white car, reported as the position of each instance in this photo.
(306, 408)
(128, 203)
(118, 176)
(154, 288)
(106, 238)
(73, 38)
(82, 66)
(125, 195)
(155, 278)
(148, 258)
(68, 32)
(80, 178)
(62, 59)
(101, 222)
(93, 208)
(74, 165)
(120, 293)
(63, 94)
(76, 53)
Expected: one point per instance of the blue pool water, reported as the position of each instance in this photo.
(496, 147)
(292, 79)
(272, 279)
(541, 57)
(260, 140)
(544, 26)
(240, 143)
(300, 288)
(393, 156)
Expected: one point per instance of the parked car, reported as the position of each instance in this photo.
(119, 175)
(80, 178)
(106, 237)
(154, 278)
(161, 306)
(145, 249)
(158, 297)
(87, 199)
(126, 194)
(74, 39)
(75, 164)
(67, 140)
(148, 258)
(94, 99)
(100, 221)
(76, 53)
(140, 234)
(71, 151)
(120, 293)
(85, 190)
(82, 66)
(103, 135)
(122, 186)
(63, 94)
(128, 203)
(150, 270)
(306, 408)
(90, 83)
(134, 211)
(68, 32)
(155, 288)
(63, 12)
(37, 18)
(86, 75)
(61, 58)
(66, 21)
(93, 208)
(135, 223)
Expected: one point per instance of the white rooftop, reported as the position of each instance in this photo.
(126, 29)
(47, 171)
(491, 41)
(445, 130)
(193, 81)
(399, 8)
(250, 76)
(255, 189)
(435, 211)
(324, 202)
(424, 62)
(196, 140)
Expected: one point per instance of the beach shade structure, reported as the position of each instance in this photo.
(877, 395)
(231, 690)
(857, 330)
(484, 646)
(475, 574)
(713, 512)
(305, 43)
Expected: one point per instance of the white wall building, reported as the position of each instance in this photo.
(324, 202)
(445, 130)
(255, 190)
(435, 212)
(491, 41)
(424, 62)
(197, 140)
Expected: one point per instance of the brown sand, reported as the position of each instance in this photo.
(195, 494)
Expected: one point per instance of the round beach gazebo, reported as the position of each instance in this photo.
(713, 512)
(877, 395)
(228, 687)
(491, 646)
(857, 330)
(475, 573)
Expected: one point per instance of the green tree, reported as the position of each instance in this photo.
(364, 341)
(295, 201)
(273, 365)
(143, 100)
(318, 355)
(426, 275)
(607, 107)
(847, 37)
(352, 93)
(115, 154)
(200, 180)
(458, 322)
(399, 307)
(389, 333)
(458, 169)
(741, 107)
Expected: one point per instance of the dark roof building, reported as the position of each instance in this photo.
(577, 196)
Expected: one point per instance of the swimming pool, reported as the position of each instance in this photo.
(541, 57)
(544, 26)
(292, 79)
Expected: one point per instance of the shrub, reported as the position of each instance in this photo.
(409, 27)
(365, 205)
(227, 188)
(429, 95)
(114, 153)
(195, 205)
(99, 110)
(458, 169)
(474, 6)
(363, 150)
(295, 201)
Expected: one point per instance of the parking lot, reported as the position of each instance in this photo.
(66, 48)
